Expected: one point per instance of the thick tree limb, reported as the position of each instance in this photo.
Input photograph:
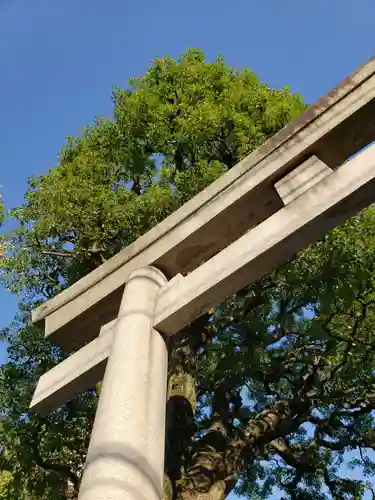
(304, 464)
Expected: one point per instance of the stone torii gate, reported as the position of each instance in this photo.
(302, 182)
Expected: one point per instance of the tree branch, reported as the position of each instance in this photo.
(68, 255)
(48, 465)
(59, 468)
(303, 463)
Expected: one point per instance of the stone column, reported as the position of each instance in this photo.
(125, 460)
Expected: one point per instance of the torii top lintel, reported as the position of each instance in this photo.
(340, 124)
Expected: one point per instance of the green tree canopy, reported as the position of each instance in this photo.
(273, 388)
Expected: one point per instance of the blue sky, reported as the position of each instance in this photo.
(59, 60)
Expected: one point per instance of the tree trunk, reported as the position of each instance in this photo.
(216, 492)
(181, 404)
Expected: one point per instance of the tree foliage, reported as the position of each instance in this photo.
(274, 387)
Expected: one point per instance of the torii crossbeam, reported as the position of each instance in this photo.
(282, 197)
